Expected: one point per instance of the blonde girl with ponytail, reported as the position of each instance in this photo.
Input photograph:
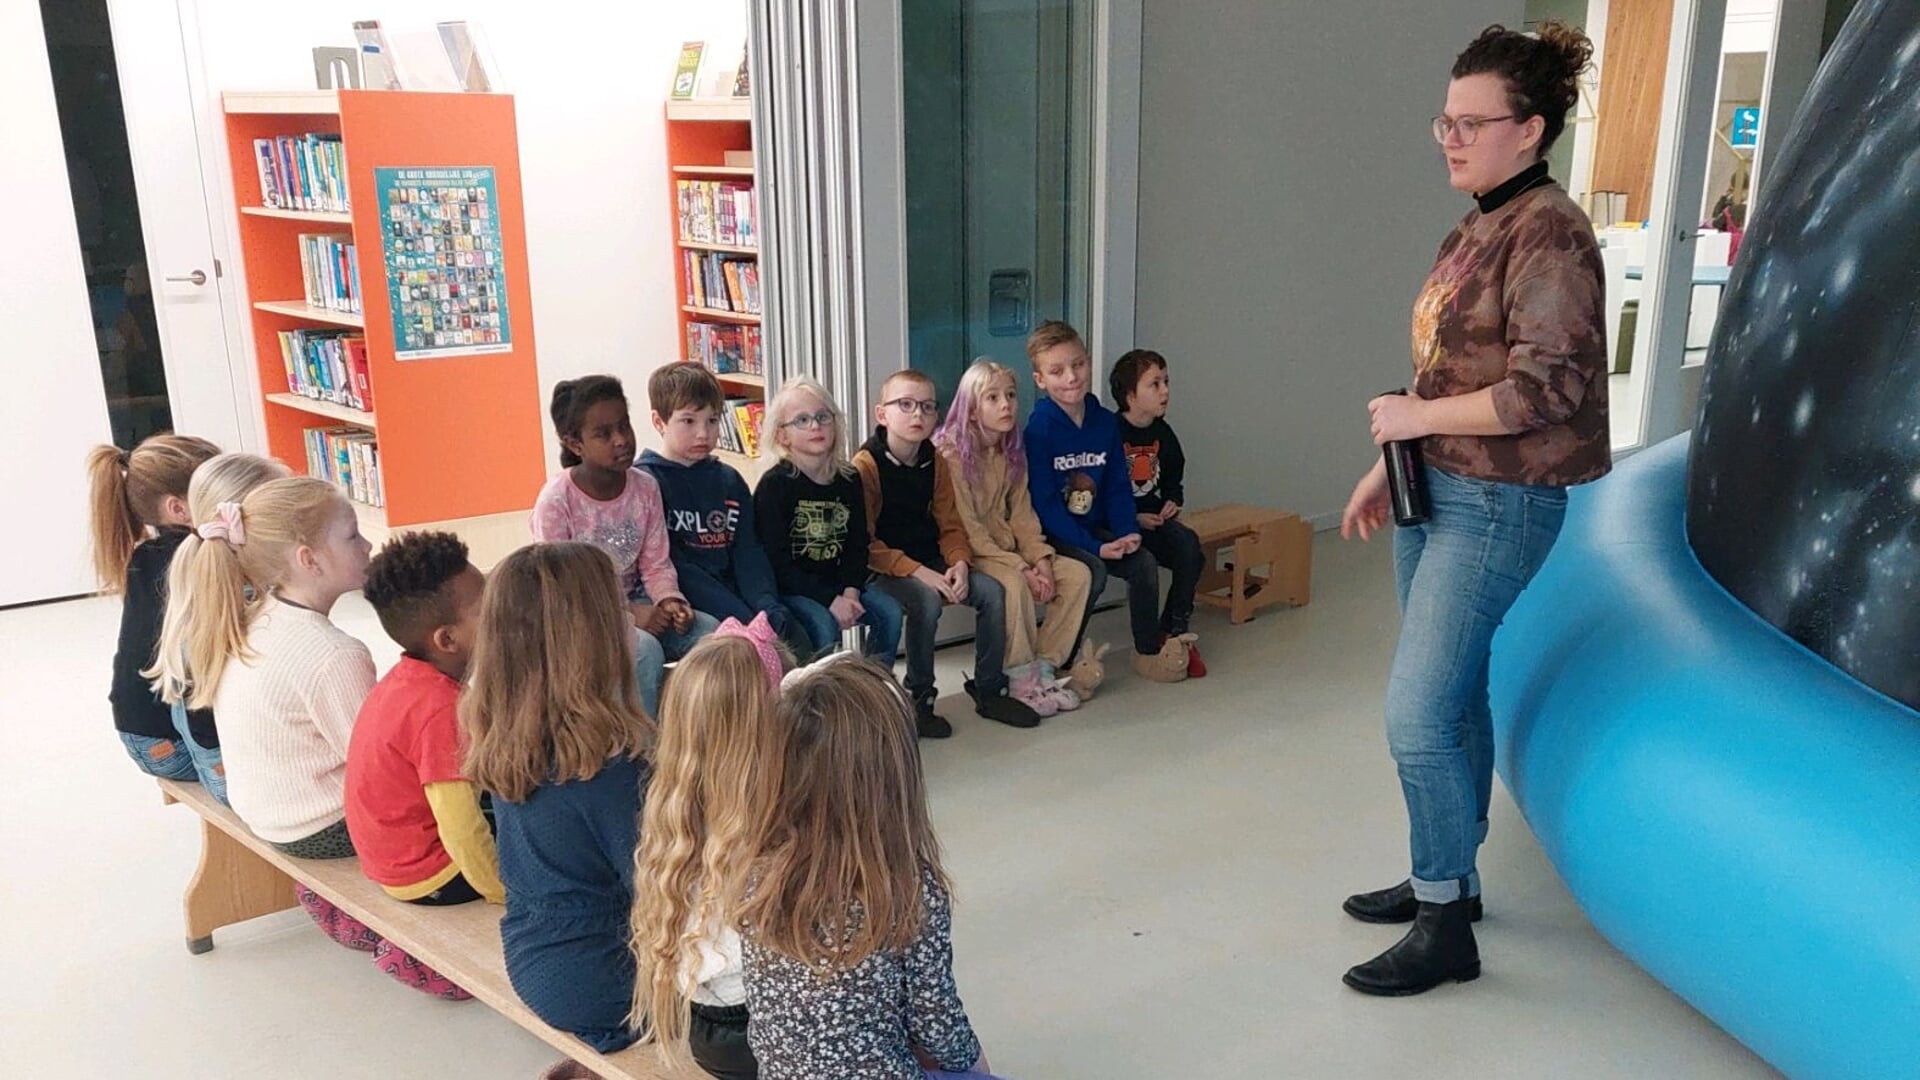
(252, 640)
(223, 478)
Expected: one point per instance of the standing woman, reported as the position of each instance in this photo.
(1509, 406)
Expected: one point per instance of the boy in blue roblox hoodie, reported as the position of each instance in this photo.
(716, 549)
(1077, 475)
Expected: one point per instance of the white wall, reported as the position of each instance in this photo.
(54, 409)
(590, 82)
(1291, 201)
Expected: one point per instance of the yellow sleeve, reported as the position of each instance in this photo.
(464, 832)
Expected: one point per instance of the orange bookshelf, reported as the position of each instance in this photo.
(699, 136)
(459, 436)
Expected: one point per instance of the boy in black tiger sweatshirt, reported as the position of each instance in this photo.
(1157, 468)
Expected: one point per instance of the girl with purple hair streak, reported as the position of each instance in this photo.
(981, 441)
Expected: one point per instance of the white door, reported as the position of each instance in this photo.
(55, 407)
(171, 140)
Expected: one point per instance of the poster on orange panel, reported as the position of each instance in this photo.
(446, 274)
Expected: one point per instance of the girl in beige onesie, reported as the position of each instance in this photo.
(981, 441)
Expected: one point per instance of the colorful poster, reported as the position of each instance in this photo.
(446, 277)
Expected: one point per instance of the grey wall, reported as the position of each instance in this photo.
(1291, 202)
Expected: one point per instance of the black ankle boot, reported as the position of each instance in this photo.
(1395, 905)
(1439, 947)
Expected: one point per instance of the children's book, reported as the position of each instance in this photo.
(687, 76)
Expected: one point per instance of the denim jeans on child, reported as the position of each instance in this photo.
(1457, 577)
(206, 763)
(651, 653)
(883, 620)
(920, 607)
(164, 758)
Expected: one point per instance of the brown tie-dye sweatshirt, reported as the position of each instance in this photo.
(1515, 302)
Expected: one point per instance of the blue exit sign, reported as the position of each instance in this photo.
(1746, 127)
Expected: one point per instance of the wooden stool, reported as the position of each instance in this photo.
(1252, 537)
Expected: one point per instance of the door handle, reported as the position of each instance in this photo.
(198, 277)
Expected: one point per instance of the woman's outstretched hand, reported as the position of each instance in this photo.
(1368, 507)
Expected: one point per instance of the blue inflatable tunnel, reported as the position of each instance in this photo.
(1731, 810)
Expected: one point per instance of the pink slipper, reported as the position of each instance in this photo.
(336, 924)
(404, 968)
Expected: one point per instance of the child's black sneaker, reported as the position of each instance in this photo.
(1002, 707)
(929, 724)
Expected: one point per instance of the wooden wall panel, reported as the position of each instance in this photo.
(1633, 76)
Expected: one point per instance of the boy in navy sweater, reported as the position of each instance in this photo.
(723, 569)
(1077, 475)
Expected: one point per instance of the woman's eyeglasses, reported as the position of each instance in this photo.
(811, 420)
(911, 405)
(1466, 129)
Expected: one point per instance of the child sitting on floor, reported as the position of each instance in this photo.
(555, 731)
(1157, 467)
(844, 911)
(691, 993)
(139, 519)
(415, 819)
(813, 525)
(981, 442)
(600, 497)
(920, 557)
(1076, 474)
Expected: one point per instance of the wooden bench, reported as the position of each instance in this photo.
(1249, 538)
(242, 877)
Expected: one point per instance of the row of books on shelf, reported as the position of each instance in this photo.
(331, 271)
(740, 426)
(348, 458)
(303, 172)
(327, 365)
(726, 349)
(723, 282)
(717, 212)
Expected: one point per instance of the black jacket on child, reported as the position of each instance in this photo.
(905, 521)
(137, 710)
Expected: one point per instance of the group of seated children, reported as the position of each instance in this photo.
(759, 859)
(523, 685)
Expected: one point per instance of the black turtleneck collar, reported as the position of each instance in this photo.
(1527, 179)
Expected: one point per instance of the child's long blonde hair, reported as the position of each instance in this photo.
(127, 491)
(782, 404)
(962, 432)
(841, 838)
(714, 721)
(217, 584)
(552, 692)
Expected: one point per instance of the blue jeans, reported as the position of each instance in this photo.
(650, 656)
(164, 758)
(920, 608)
(882, 620)
(1457, 576)
(207, 764)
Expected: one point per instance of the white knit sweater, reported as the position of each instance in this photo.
(285, 714)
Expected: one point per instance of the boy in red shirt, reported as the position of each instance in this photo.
(415, 820)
